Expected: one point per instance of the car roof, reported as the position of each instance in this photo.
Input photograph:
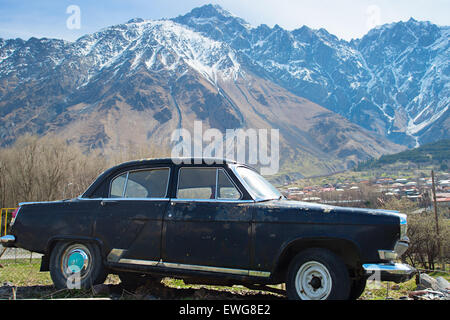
(178, 160)
(157, 161)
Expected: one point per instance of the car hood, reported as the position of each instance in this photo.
(341, 214)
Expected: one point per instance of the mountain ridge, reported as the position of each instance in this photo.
(159, 75)
(347, 73)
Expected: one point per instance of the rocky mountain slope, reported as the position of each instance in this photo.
(393, 81)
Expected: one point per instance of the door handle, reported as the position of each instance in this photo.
(174, 202)
(104, 202)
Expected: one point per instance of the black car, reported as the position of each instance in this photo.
(210, 221)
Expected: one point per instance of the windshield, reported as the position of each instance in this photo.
(257, 185)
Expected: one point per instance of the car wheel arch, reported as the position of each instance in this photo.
(344, 248)
(52, 242)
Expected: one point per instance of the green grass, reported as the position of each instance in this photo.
(388, 290)
(21, 272)
(29, 283)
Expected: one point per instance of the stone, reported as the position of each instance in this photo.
(442, 284)
(428, 281)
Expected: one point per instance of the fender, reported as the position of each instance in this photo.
(56, 238)
(337, 245)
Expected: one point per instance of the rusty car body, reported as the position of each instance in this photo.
(215, 222)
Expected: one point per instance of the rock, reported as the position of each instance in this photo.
(442, 284)
(427, 294)
(100, 289)
(428, 281)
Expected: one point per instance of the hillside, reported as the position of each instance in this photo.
(437, 153)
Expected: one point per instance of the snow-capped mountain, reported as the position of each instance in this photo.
(136, 82)
(394, 81)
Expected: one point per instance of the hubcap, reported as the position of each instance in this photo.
(313, 281)
(76, 259)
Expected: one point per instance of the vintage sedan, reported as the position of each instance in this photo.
(210, 221)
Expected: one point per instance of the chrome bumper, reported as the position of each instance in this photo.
(8, 240)
(400, 248)
(396, 272)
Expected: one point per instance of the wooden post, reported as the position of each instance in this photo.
(433, 188)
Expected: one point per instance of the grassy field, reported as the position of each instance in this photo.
(22, 280)
(26, 282)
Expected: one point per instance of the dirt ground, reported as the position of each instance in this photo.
(149, 291)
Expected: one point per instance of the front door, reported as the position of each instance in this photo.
(130, 221)
(207, 226)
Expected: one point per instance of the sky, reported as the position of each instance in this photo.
(347, 19)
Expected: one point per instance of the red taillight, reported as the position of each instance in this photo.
(14, 214)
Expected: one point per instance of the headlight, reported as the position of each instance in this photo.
(403, 230)
(403, 225)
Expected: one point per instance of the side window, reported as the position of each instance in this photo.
(141, 184)
(226, 188)
(205, 183)
(196, 183)
(118, 186)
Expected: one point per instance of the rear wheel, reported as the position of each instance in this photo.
(317, 274)
(76, 265)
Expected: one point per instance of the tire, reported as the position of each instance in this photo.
(357, 288)
(317, 274)
(130, 281)
(76, 265)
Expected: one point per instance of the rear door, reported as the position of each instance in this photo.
(130, 219)
(207, 226)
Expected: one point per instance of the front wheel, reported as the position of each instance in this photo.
(76, 265)
(357, 288)
(317, 274)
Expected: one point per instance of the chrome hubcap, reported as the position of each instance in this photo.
(76, 259)
(313, 281)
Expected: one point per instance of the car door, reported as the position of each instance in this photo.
(207, 226)
(130, 220)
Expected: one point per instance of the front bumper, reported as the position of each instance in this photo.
(396, 272)
(8, 241)
(399, 249)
